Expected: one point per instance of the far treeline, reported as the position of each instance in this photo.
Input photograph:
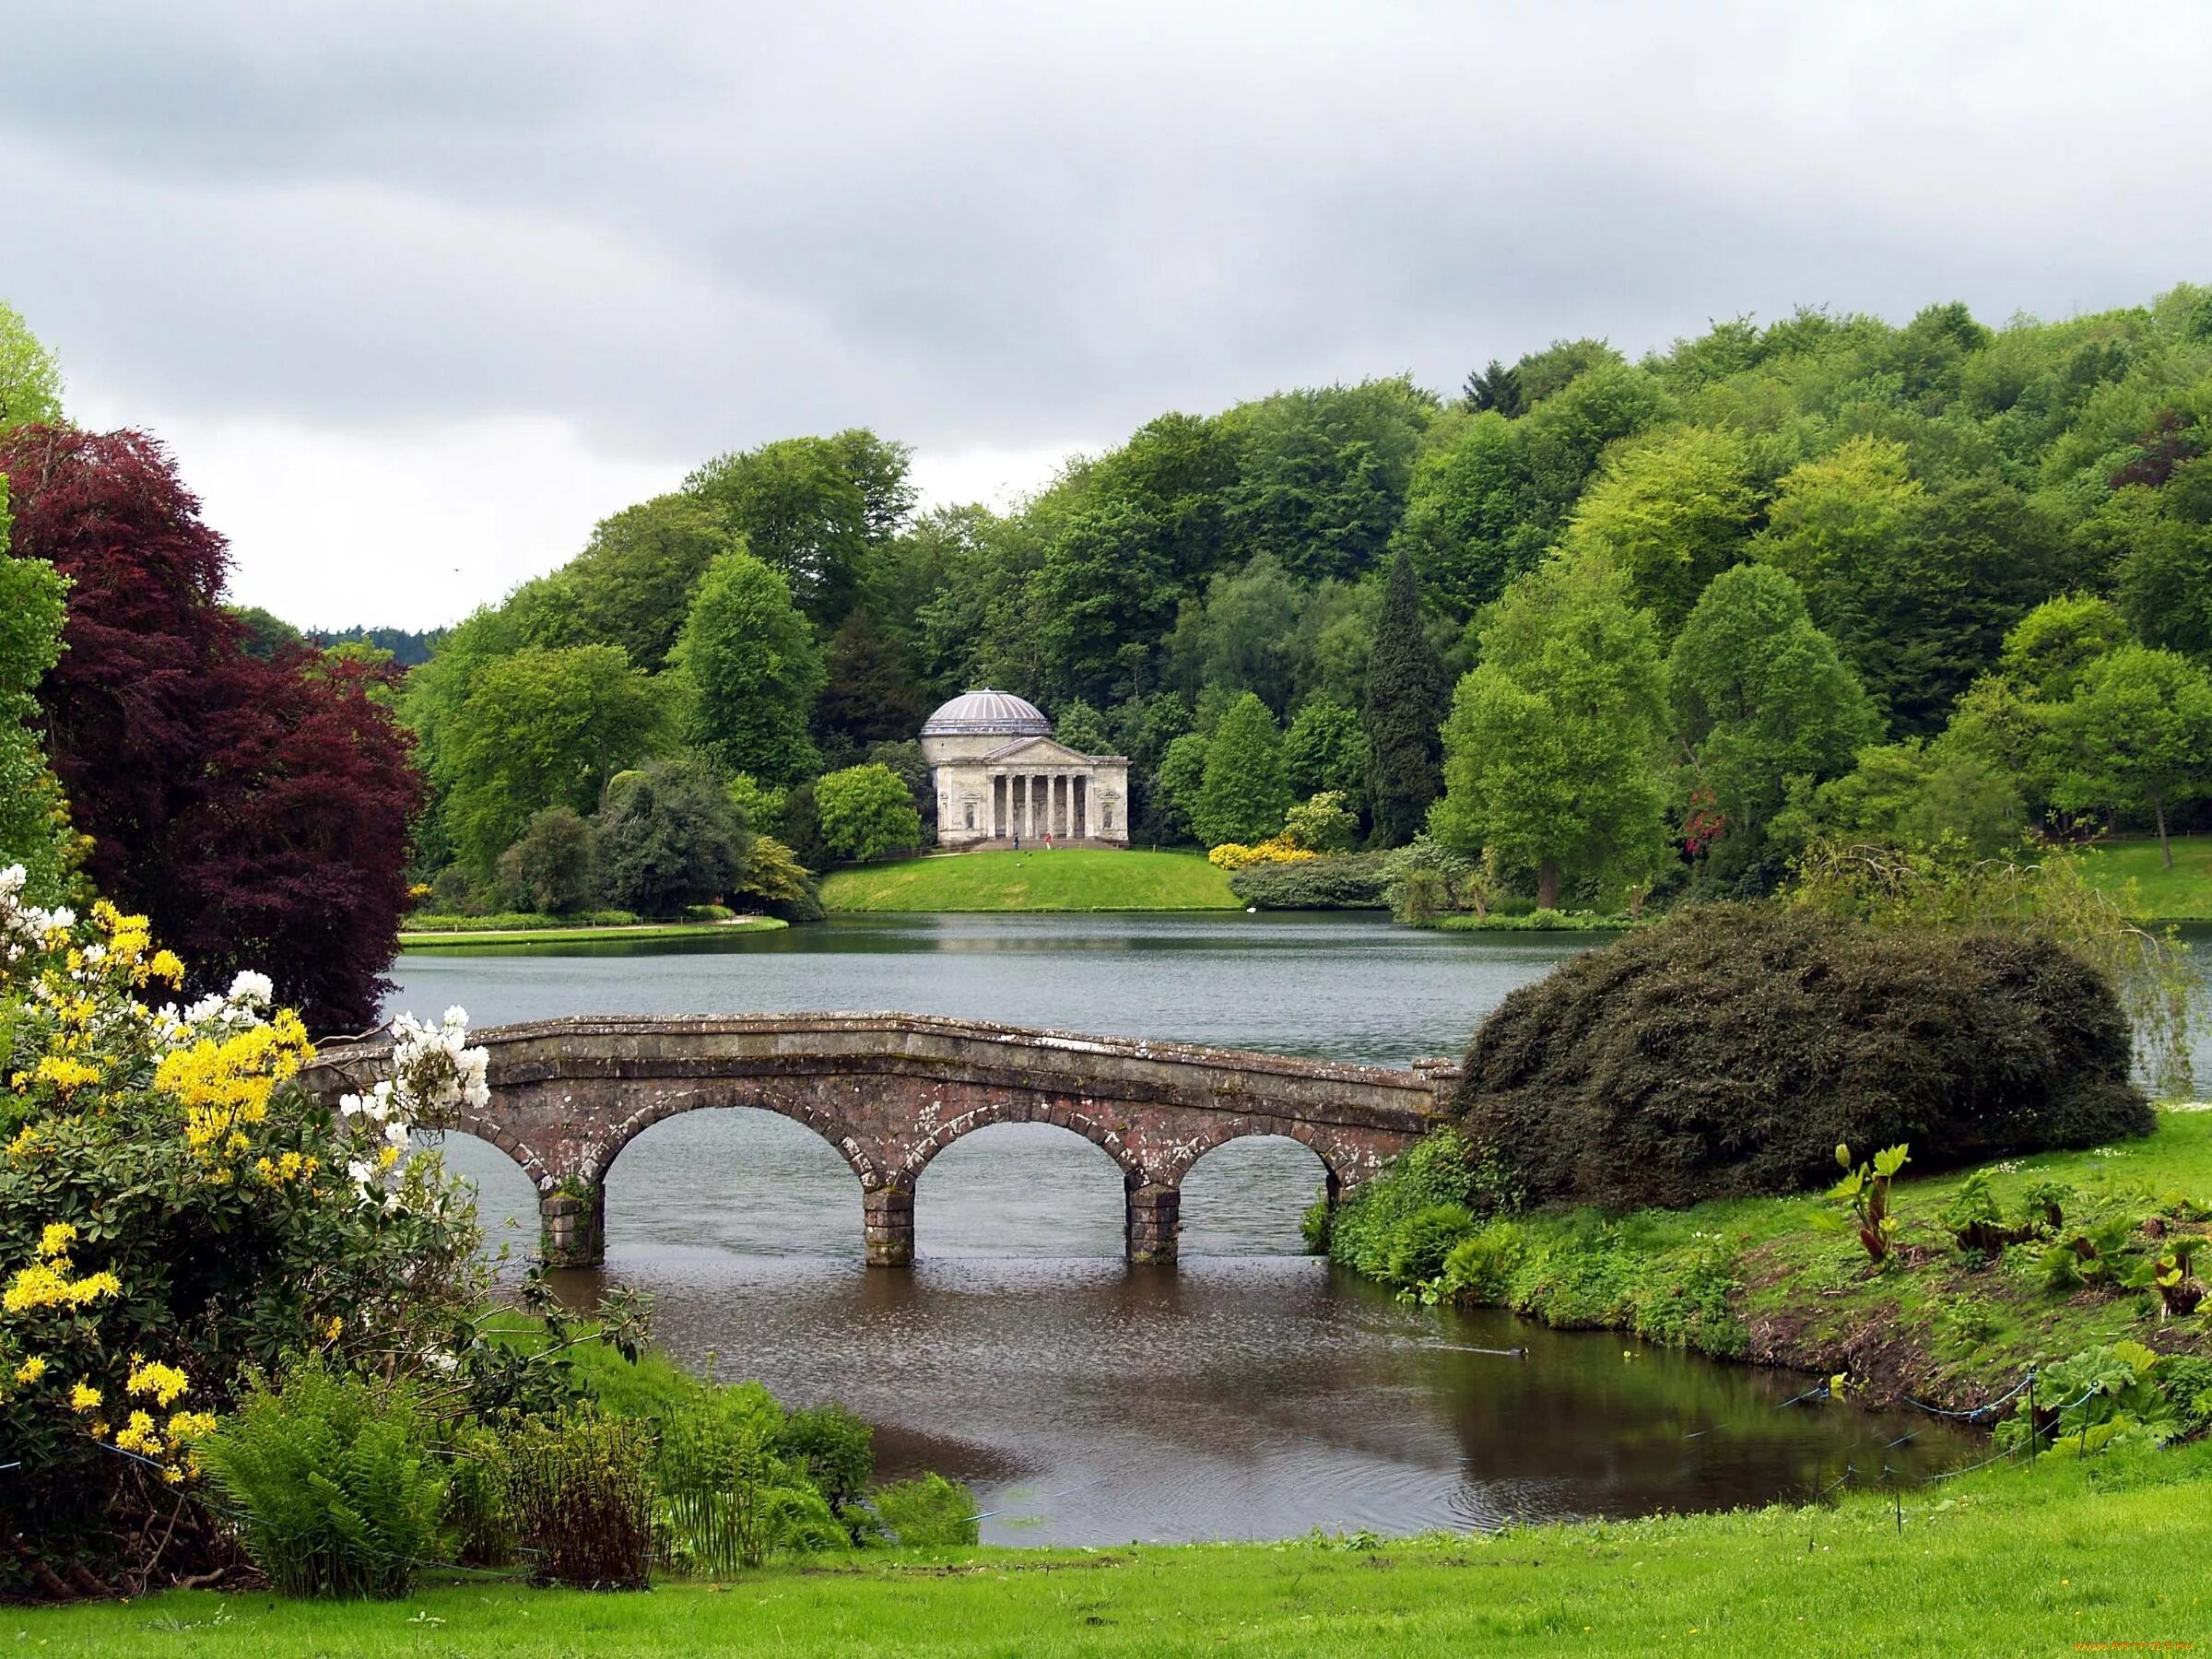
(1604, 633)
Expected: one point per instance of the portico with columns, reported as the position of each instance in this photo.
(1000, 775)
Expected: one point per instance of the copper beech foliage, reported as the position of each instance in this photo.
(256, 811)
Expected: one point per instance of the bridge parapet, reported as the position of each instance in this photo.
(890, 1092)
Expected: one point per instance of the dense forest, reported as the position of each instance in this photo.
(1938, 582)
(1587, 632)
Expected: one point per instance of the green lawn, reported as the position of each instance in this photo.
(443, 939)
(1068, 879)
(2036, 1561)
(2180, 894)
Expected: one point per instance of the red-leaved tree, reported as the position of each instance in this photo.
(256, 811)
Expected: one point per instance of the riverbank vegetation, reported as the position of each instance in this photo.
(1639, 1141)
(1066, 878)
(240, 1326)
(2007, 1560)
(459, 932)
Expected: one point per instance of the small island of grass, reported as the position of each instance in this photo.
(1066, 878)
(466, 931)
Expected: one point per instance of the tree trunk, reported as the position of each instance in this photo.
(1548, 884)
(2158, 808)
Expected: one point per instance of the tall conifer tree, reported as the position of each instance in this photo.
(1405, 713)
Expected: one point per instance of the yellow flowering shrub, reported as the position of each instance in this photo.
(1235, 855)
(175, 1209)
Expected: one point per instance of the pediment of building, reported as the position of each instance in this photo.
(1039, 751)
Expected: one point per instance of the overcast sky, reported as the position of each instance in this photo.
(419, 291)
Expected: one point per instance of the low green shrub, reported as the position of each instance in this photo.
(509, 921)
(836, 1449)
(479, 1518)
(1481, 1267)
(330, 1476)
(1360, 1232)
(1725, 1050)
(1419, 1243)
(728, 1499)
(931, 1512)
(1341, 881)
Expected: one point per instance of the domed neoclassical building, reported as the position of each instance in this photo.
(999, 773)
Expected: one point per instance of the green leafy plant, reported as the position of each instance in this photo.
(1420, 1242)
(1864, 1196)
(2096, 1396)
(330, 1475)
(1480, 1268)
(928, 1512)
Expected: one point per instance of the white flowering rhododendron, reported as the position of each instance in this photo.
(434, 1072)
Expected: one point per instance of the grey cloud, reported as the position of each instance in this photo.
(684, 230)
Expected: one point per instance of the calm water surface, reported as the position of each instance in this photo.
(1252, 1392)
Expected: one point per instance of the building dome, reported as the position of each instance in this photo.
(987, 714)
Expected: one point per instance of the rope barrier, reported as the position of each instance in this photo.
(2017, 1389)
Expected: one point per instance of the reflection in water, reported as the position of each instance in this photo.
(1253, 1392)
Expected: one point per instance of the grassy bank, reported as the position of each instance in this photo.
(2026, 1560)
(461, 938)
(1068, 879)
(2180, 894)
(1757, 1279)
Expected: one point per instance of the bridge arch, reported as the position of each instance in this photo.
(1215, 1136)
(1091, 1128)
(760, 1094)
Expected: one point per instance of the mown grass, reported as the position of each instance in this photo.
(2180, 894)
(2009, 1562)
(1756, 1278)
(1068, 879)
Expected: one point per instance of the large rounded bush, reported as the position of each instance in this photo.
(1726, 1051)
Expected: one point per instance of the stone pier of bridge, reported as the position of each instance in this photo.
(890, 1091)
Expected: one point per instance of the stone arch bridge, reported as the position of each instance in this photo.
(890, 1091)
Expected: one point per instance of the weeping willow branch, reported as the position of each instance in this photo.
(2042, 890)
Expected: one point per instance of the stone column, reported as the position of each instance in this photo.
(888, 1210)
(572, 1225)
(1155, 1217)
(1078, 803)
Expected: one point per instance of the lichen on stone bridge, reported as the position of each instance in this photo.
(890, 1091)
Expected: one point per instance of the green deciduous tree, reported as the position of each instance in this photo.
(30, 380)
(633, 584)
(2137, 733)
(542, 727)
(1242, 797)
(813, 509)
(1553, 752)
(1323, 474)
(869, 696)
(1105, 584)
(1472, 519)
(2049, 648)
(1405, 707)
(1761, 696)
(554, 868)
(1325, 749)
(1180, 777)
(753, 671)
(668, 837)
(867, 812)
(33, 828)
(1918, 589)
(1673, 509)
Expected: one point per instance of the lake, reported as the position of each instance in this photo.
(1252, 1392)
